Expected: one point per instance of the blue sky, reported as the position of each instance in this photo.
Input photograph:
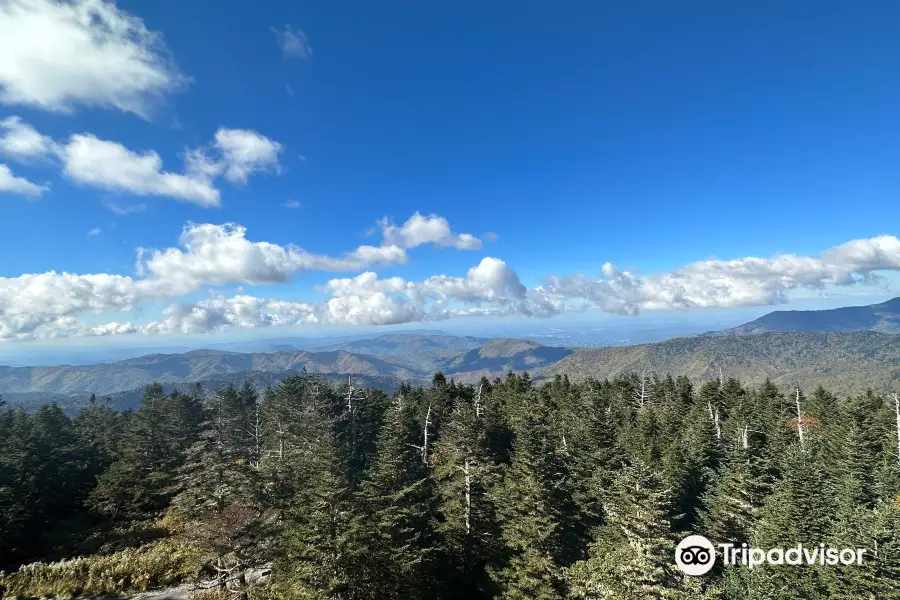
(650, 135)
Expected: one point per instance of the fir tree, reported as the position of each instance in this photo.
(530, 517)
(631, 558)
(795, 512)
(320, 553)
(466, 477)
(399, 517)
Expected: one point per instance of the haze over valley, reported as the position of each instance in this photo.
(846, 349)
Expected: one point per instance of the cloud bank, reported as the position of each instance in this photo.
(210, 256)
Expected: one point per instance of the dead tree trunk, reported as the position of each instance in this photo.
(479, 409)
(745, 437)
(642, 394)
(714, 417)
(896, 398)
(466, 470)
(425, 435)
(799, 415)
(256, 434)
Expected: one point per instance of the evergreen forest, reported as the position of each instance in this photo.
(504, 489)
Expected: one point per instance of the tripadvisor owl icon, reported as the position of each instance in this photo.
(695, 555)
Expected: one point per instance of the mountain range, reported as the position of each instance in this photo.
(847, 349)
(392, 357)
(883, 318)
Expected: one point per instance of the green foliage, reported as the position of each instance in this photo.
(844, 363)
(631, 558)
(130, 570)
(508, 489)
(397, 515)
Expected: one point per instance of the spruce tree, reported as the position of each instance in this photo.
(734, 505)
(320, 552)
(632, 556)
(152, 448)
(533, 532)
(399, 517)
(466, 477)
(795, 512)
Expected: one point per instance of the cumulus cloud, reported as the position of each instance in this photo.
(111, 166)
(94, 232)
(489, 288)
(293, 43)
(21, 141)
(36, 305)
(209, 315)
(209, 255)
(729, 283)
(222, 255)
(19, 186)
(234, 154)
(113, 328)
(48, 304)
(419, 229)
(59, 55)
(244, 152)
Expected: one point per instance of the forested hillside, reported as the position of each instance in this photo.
(883, 318)
(504, 489)
(190, 367)
(409, 357)
(845, 363)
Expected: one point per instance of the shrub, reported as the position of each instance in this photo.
(130, 570)
(212, 595)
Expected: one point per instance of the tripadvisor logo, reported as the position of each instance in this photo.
(695, 555)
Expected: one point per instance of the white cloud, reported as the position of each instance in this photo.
(20, 186)
(124, 209)
(369, 255)
(113, 328)
(21, 141)
(292, 204)
(739, 282)
(434, 229)
(244, 152)
(58, 55)
(32, 305)
(45, 304)
(94, 232)
(234, 154)
(209, 315)
(221, 255)
(293, 43)
(111, 166)
(48, 305)
(488, 288)
(490, 280)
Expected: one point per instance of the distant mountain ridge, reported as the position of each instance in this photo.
(130, 399)
(882, 318)
(197, 365)
(502, 355)
(401, 356)
(844, 362)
